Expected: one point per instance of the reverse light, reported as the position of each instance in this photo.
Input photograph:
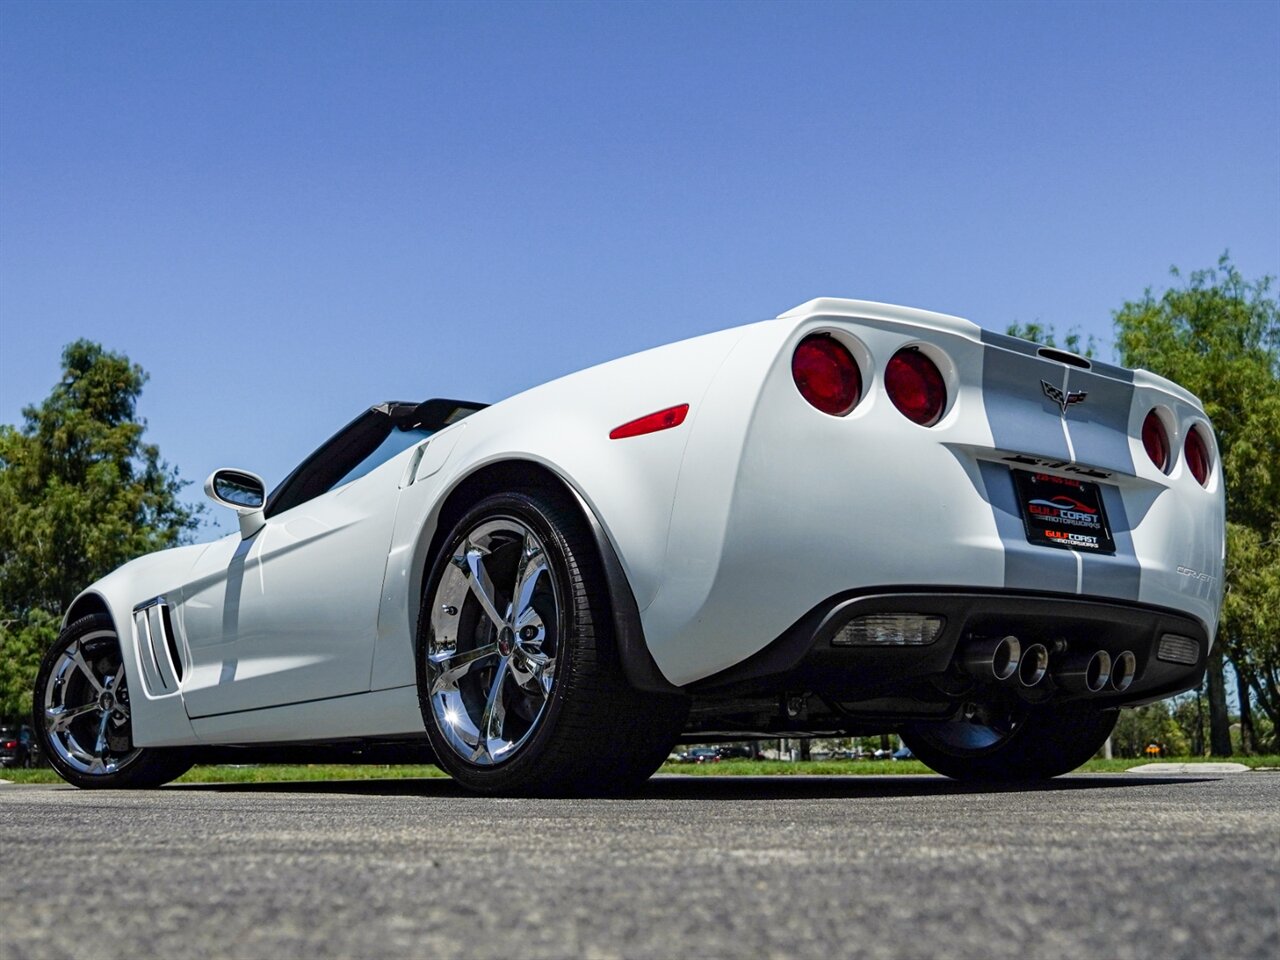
(889, 630)
(826, 374)
(916, 387)
(651, 423)
(1198, 457)
(1156, 440)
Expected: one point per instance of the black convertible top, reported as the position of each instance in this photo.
(434, 414)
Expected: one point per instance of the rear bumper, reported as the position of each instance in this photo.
(803, 658)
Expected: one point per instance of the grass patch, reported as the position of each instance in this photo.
(279, 773)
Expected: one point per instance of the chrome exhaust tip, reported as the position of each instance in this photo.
(1034, 665)
(1123, 669)
(1085, 673)
(991, 659)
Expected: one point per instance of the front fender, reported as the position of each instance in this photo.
(159, 718)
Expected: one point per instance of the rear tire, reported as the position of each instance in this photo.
(1026, 743)
(519, 680)
(81, 713)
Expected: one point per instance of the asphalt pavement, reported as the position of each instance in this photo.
(1097, 866)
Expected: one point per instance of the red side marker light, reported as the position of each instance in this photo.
(652, 423)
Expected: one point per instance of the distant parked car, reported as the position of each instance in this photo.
(903, 753)
(15, 749)
(702, 755)
(853, 754)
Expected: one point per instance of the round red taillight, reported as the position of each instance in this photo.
(916, 387)
(827, 375)
(1198, 459)
(1156, 439)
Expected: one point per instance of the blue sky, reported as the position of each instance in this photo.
(286, 212)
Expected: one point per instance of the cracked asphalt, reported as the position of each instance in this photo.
(1090, 866)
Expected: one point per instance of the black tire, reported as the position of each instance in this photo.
(569, 724)
(1030, 743)
(73, 749)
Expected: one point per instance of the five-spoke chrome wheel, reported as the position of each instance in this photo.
(83, 715)
(494, 642)
(85, 705)
(520, 679)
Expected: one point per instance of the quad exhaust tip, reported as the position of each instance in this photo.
(1004, 658)
(1123, 669)
(1034, 665)
(1086, 673)
(992, 659)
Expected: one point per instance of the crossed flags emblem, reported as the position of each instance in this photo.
(1062, 399)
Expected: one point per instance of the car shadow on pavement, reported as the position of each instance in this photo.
(677, 787)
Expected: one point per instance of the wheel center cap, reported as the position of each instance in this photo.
(107, 701)
(505, 641)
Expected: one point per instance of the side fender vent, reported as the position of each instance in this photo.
(157, 646)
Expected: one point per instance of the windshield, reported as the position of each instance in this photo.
(368, 441)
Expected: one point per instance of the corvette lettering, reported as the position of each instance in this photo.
(1196, 575)
(1058, 465)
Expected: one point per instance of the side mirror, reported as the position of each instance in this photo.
(243, 492)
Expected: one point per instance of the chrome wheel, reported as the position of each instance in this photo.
(85, 706)
(494, 641)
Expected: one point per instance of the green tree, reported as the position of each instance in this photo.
(80, 493)
(1153, 723)
(1218, 335)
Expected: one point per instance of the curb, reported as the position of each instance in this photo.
(1158, 769)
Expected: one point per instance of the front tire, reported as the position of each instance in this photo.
(519, 680)
(82, 714)
(1012, 743)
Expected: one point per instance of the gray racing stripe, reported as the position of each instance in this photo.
(1099, 429)
(1099, 425)
(1026, 566)
(1025, 421)
(1123, 374)
(1119, 576)
(1016, 344)
(1022, 418)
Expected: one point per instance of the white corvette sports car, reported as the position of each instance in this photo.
(851, 519)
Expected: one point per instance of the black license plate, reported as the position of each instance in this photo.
(1064, 513)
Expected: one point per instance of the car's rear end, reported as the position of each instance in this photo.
(14, 751)
(922, 509)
